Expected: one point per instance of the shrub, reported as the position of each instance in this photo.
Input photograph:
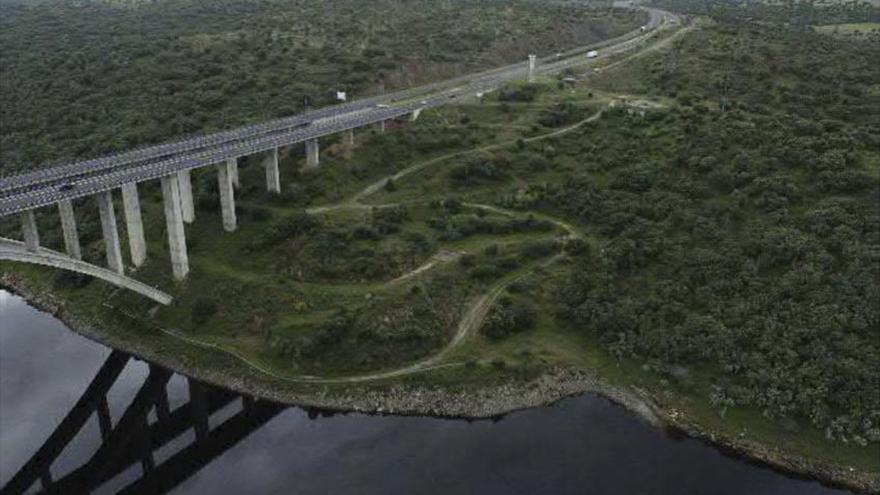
(524, 93)
(476, 171)
(468, 261)
(576, 247)
(508, 317)
(72, 279)
(537, 249)
(202, 310)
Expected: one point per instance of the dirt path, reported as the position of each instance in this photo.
(377, 186)
(440, 257)
(480, 306)
(573, 233)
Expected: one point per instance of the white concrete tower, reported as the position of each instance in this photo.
(532, 63)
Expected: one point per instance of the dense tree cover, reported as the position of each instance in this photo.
(800, 14)
(740, 231)
(83, 78)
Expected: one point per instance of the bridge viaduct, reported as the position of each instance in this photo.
(172, 164)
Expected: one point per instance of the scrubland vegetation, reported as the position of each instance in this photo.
(713, 236)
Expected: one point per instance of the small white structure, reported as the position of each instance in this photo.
(592, 54)
(532, 63)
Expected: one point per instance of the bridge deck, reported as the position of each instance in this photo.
(47, 186)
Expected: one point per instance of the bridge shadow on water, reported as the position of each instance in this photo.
(153, 448)
(137, 437)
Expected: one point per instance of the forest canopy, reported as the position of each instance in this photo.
(79, 79)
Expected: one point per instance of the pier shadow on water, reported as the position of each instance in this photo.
(147, 425)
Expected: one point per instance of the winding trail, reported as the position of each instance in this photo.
(573, 233)
(479, 307)
(377, 186)
(441, 257)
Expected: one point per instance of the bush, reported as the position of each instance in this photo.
(468, 261)
(508, 317)
(72, 279)
(202, 310)
(452, 205)
(476, 171)
(576, 247)
(537, 249)
(485, 272)
(524, 93)
(290, 227)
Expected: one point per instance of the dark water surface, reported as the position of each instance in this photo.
(584, 445)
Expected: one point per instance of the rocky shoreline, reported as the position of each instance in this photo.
(487, 402)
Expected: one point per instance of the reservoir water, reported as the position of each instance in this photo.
(583, 445)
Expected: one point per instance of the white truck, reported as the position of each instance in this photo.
(592, 54)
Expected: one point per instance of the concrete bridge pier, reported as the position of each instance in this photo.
(533, 59)
(29, 230)
(174, 226)
(134, 224)
(382, 126)
(227, 194)
(273, 178)
(312, 153)
(68, 227)
(233, 172)
(111, 234)
(184, 182)
(349, 139)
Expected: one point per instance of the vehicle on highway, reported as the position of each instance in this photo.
(592, 54)
(66, 187)
(381, 105)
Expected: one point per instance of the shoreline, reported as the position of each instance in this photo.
(488, 402)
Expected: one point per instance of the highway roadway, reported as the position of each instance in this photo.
(47, 186)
